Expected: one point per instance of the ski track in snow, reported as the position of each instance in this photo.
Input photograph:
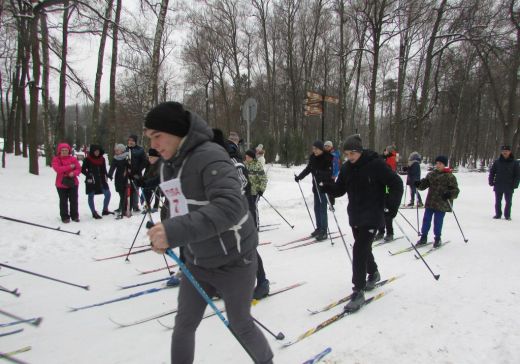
(471, 315)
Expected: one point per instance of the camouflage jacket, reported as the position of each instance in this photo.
(439, 183)
(257, 176)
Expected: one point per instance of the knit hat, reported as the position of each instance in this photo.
(133, 137)
(153, 153)
(328, 143)
(318, 144)
(390, 148)
(353, 143)
(415, 156)
(169, 117)
(251, 153)
(443, 159)
(505, 147)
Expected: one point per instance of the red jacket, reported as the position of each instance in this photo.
(62, 166)
(391, 160)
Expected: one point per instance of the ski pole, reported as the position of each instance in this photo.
(304, 200)
(13, 292)
(135, 237)
(35, 321)
(409, 223)
(452, 210)
(280, 335)
(292, 226)
(417, 210)
(149, 224)
(339, 229)
(436, 276)
(44, 276)
(38, 225)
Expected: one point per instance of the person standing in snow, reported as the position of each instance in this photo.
(365, 178)
(336, 158)
(209, 215)
(320, 167)
(119, 166)
(413, 175)
(389, 155)
(260, 154)
(95, 170)
(504, 177)
(67, 170)
(442, 190)
(136, 164)
(150, 180)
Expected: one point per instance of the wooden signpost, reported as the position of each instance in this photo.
(315, 104)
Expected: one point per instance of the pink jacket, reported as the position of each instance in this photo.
(62, 166)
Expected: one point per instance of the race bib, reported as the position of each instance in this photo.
(173, 192)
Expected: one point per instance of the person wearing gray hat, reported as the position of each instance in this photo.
(365, 178)
(320, 167)
(504, 177)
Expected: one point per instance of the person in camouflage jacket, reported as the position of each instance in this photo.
(257, 181)
(442, 190)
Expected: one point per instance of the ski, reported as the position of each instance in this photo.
(14, 292)
(410, 207)
(122, 255)
(156, 270)
(254, 302)
(10, 332)
(19, 351)
(318, 357)
(11, 359)
(382, 241)
(268, 225)
(431, 250)
(137, 247)
(330, 321)
(265, 243)
(133, 295)
(314, 241)
(143, 320)
(33, 321)
(268, 229)
(144, 283)
(409, 249)
(294, 241)
(346, 298)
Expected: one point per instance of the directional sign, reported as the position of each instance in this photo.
(314, 96)
(249, 110)
(331, 99)
(309, 113)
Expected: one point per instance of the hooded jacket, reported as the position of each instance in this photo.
(62, 166)
(218, 228)
(95, 171)
(439, 183)
(366, 182)
(414, 168)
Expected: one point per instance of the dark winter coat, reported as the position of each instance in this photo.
(119, 166)
(366, 183)
(151, 176)
(137, 160)
(505, 174)
(320, 167)
(95, 171)
(414, 168)
(218, 228)
(439, 183)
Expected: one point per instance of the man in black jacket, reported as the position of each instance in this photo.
(364, 177)
(136, 164)
(320, 166)
(504, 176)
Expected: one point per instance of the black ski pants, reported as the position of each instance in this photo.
(68, 196)
(363, 260)
(235, 283)
(508, 196)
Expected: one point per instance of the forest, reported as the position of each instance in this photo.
(437, 77)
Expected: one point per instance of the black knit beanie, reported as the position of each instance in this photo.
(169, 117)
(251, 153)
(353, 143)
(318, 144)
(443, 159)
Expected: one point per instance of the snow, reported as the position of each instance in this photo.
(471, 315)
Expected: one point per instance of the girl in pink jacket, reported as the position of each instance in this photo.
(67, 170)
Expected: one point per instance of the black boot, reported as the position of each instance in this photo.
(261, 290)
(422, 241)
(437, 242)
(322, 235)
(106, 212)
(356, 301)
(372, 280)
(96, 216)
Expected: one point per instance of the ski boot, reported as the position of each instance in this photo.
(356, 301)
(372, 280)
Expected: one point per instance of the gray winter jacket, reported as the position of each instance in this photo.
(218, 228)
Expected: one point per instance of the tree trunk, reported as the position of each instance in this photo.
(60, 134)
(156, 55)
(113, 69)
(47, 125)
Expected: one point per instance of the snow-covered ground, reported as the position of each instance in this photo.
(471, 315)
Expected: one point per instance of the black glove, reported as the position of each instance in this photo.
(260, 193)
(446, 195)
(390, 212)
(296, 179)
(491, 183)
(417, 183)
